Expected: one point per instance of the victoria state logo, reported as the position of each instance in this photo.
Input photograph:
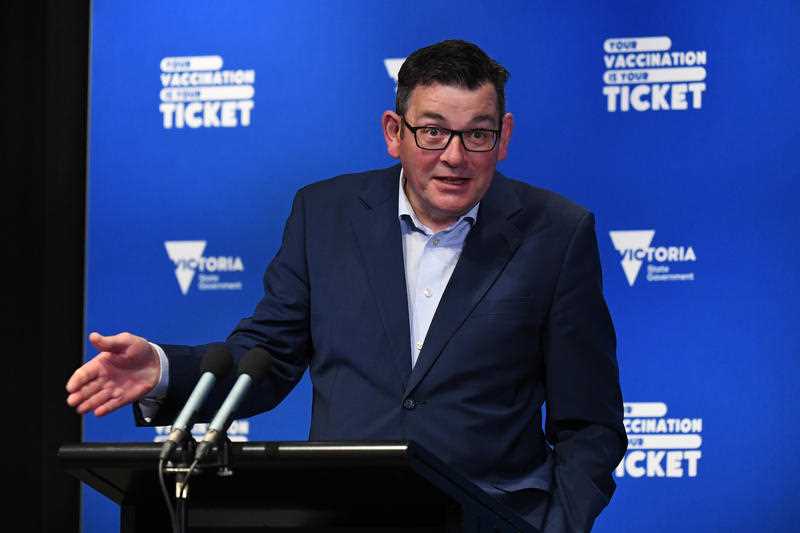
(189, 260)
(635, 247)
(393, 65)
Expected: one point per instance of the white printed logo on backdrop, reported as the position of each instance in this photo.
(189, 260)
(644, 74)
(196, 92)
(660, 446)
(635, 248)
(393, 65)
(239, 431)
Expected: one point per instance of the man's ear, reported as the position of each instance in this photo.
(391, 123)
(505, 136)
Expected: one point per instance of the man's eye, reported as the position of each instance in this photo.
(477, 135)
(433, 132)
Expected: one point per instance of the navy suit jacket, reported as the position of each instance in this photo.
(522, 322)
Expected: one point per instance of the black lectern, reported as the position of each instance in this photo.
(297, 487)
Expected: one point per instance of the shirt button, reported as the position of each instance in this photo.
(428, 293)
(435, 242)
(409, 404)
(419, 345)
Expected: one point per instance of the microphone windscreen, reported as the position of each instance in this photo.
(255, 363)
(217, 360)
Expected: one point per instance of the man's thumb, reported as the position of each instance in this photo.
(112, 343)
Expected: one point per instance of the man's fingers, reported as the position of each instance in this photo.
(111, 405)
(82, 376)
(75, 398)
(94, 401)
(82, 393)
(102, 398)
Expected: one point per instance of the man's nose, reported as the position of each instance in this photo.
(454, 154)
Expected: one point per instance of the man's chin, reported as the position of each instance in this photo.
(456, 202)
(453, 211)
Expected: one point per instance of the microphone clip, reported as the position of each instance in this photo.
(216, 455)
(182, 455)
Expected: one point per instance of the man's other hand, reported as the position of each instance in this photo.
(126, 369)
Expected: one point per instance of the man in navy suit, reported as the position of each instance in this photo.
(436, 301)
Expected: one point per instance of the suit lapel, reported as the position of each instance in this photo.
(377, 230)
(489, 246)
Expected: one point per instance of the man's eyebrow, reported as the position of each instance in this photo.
(475, 120)
(484, 118)
(432, 115)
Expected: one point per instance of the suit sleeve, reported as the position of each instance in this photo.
(279, 324)
(584, 401)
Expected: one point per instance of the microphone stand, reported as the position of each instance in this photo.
(180, 468)
(219, 458)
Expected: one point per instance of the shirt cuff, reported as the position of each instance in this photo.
(150, 403)
(159, 392)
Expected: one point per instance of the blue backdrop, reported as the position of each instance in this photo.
(674, 122)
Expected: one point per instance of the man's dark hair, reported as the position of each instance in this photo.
(454, 63)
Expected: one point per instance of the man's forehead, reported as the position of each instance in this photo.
(446, 101)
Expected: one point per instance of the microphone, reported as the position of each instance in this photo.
(216, 364)
(252, 369)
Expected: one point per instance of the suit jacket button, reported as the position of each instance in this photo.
(409, 404)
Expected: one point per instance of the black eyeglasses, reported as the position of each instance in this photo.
(436, 138)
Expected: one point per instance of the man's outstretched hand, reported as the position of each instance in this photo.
(126, 369)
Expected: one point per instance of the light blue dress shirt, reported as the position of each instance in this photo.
(430, 258)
